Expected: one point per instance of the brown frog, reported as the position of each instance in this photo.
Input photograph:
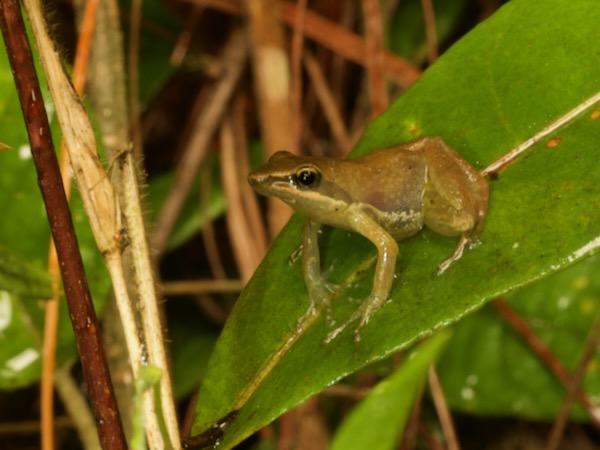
(386, 195)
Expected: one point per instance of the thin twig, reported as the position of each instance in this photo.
(234, 57)
(547, 357)
(327, 101)
(51, 307)
(185, 37)
(508, 158)
(347, 391)
(27, 427)
(333, 37)
(212, 310)
(133, 58)
(104, 215)
(82, 314)
(296, 57)
(589, 350)
(411, 429)
(79, 412)
(208, 230)
(430, 30)
(429, 438)
(239, 231)
(51, 313)
(250, 203)
(442, 409)
(271, 69)
(378, 95)
(339, 70)
(144, 346)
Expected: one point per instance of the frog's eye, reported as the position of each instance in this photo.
(308, 177)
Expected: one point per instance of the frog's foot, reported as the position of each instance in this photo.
(331, 289)
(295, 256)
(327, 272)
(320, 298)
(369, 307)
(458, 252)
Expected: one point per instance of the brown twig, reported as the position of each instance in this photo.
(411, 429)
(328, 103)
(78, 408)
(589, 350)
(252, 209)
(429, 438)
(239, 231)
(51, 313)
(545, 355)
(271, 70)
(208, 230)
(82, 314)
(28, 427)
(182, 45)
(374, 50)
(443, 412)
(234, 57)
(333, 37)
(511, 156)
(202, 287)
(296, 57)
(134, 77)
(430, 30)
(347, 391)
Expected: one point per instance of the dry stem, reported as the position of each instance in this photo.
(83, 317)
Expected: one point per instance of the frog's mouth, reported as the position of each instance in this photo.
(286, 190)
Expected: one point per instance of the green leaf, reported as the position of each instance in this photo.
(407, 33)
(488, 368)
(157, 39)
(378, 421)
(191, 345)
(24, 230)
(192, 217)
(508, 79)
(20, 277)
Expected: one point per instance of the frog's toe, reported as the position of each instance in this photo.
(327, 272)
(330, 288)
(333, 334)
(357, 301)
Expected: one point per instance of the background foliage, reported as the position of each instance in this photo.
(507, 79)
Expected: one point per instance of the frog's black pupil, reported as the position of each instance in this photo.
(307, 177)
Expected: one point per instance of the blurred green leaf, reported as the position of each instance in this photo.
(21, 277)
(487, 367)
(379, 420)
(407, 30)
(158, 36)
(24, 230)
(192, 344)
(511, 77)
(192, 216)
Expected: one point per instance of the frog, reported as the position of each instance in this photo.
(386, 195)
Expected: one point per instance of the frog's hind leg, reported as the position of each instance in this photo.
(363, 313)
(465, 239)
(451, 217)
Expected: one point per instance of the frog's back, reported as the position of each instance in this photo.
(389, 183)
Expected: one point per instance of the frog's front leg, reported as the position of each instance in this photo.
(319, 290)
(387, 250)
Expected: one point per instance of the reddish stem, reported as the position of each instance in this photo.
(79, 300)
